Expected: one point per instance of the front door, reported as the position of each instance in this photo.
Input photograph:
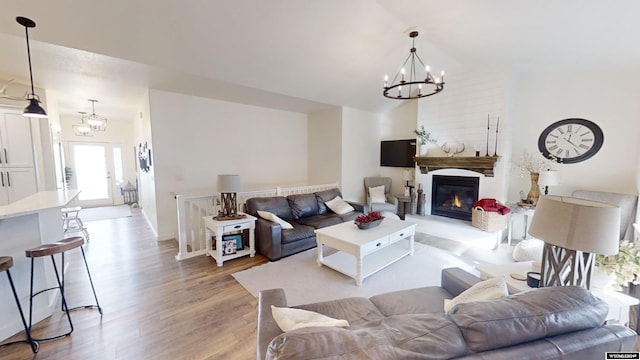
(97, 172)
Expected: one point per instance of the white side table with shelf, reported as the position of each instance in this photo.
(526, 213)
(219, 228)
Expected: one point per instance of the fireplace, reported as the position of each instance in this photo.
(454, 196)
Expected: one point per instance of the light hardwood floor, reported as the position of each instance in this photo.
(154, 307)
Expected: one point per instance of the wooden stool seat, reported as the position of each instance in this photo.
(59, 247)
(71, 221)
(6, 263)
(55, 248)
(71, 209)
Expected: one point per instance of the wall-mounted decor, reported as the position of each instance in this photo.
(570, 141)
(144, 157)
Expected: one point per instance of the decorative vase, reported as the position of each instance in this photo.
(423, 149)
(534, 192)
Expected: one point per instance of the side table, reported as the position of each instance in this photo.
(619, 303)
(526, 213)
(222, 227)
(405, 205)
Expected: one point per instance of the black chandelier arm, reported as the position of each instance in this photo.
(438, 87)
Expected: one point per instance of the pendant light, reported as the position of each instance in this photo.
(97, 123)
(33, 109)
(82, 129)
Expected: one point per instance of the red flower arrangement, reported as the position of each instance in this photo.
(372, 216)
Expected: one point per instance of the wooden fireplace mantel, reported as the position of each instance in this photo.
(481, 164)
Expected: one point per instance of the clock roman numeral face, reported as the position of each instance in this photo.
(570, 140)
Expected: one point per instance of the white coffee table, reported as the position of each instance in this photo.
(362, 253)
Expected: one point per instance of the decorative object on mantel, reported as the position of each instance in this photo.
(527, 164)
(495, 148)
(3, 92)
(447, 148)
(96, 122)
(415, 80)
(33, 109)
(424, 138)
(372, 219)
(228, 186)
(82, 129)
(483, 164)
(624, 266)
(574, 231)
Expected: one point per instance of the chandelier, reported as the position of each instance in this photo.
(96, 122)
(82, 129)
(417, 83)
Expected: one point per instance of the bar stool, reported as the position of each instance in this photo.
(52, 249)
(6, 262)
(71, 221)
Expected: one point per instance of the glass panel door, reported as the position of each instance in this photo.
(94, 165)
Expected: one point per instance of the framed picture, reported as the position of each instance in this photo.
(228, 247)
(234, 237)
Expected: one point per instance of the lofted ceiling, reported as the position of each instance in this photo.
(296, 55)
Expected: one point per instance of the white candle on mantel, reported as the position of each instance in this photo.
(402, 72)
(386, 80)
(442, 75)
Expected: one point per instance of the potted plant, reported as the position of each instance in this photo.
(424, 138)
(624, 266)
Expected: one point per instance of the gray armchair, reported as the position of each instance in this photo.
(391, 204)
(628, 204)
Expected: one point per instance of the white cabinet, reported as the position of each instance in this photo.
(17, 172)
(15, 139)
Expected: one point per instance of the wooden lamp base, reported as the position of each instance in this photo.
(229, 207)
(565, 267)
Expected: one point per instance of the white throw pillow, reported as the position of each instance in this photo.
(290, 319)
(339, 206)
(485, 290)
(273, 217)
(377, 194)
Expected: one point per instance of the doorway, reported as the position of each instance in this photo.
(97, 171)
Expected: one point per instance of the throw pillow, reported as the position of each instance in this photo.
(377, 194)
(274, 218)
(339, 206)
(485, 290)
(290, 319)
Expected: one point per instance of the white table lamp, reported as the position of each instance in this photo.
(548, 178)
(573, 231)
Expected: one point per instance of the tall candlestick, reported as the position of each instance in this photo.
(495, 150)
(487, 152)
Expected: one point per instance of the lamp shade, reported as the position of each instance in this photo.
(34, 109)
(229, 183)
(577, 224)
(548, 178)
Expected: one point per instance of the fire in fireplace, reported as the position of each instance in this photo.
(454, 196)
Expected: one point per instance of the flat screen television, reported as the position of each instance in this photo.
(397, 153)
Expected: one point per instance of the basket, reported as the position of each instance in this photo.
(487, 220)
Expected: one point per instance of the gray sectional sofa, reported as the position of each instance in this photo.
(306, 212)
(547, 323)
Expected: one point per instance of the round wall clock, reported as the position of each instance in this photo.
(570, 141)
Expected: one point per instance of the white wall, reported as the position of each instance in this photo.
(608, 98)
(195, 139)
(325, 147)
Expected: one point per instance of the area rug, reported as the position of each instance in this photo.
(304, 282)
(105, 212)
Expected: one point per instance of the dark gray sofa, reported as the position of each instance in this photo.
(547, 323)
(305, 212)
